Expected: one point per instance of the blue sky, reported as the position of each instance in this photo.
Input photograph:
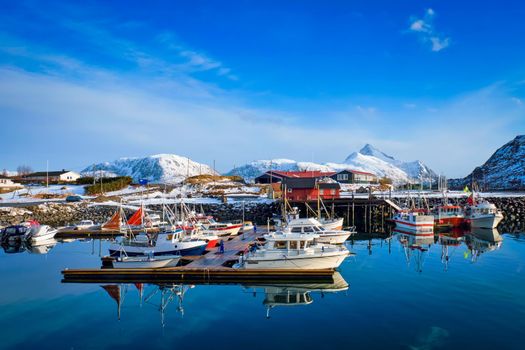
(440, 81)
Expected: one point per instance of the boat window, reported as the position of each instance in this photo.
(296, 229)
(280, 245)
(293, 244)
(10, 230)
(302, 244)
(308, 229)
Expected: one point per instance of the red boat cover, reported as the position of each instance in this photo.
(136, 218)
(114, 222)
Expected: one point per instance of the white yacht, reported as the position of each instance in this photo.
(287, 250)
(483, 215)
(311, 225)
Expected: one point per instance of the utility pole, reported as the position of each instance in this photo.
(47, 173)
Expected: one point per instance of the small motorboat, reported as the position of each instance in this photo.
(148, 260)
(41, 233)
(16, 232)
(85, 225)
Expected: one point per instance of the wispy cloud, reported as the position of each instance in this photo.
(427, 32)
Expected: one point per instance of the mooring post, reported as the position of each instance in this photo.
(366, 208)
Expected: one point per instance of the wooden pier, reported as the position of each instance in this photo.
(211, 267)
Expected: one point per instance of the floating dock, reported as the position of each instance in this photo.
(211, 267)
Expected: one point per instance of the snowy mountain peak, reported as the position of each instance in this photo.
(369, 150)
(158, 168)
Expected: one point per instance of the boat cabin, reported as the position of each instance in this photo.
(289, 241)
(448, 210)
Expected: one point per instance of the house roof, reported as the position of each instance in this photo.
(46, 173)
(356, 172)
(301, 174)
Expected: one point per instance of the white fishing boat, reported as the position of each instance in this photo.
(414, 220)
(287, 250)
(483, 215)
(332, 224)
(165, 243)
(311, 225)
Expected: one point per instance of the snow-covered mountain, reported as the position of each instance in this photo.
(504, 170)
(368, 159)
(159, 168)
(415, 169)
(253, 169)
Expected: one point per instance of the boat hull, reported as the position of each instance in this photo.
(489, 221)
(451, 221)
(326, 261)
(174, 249)
(336, 238)
(132, 263)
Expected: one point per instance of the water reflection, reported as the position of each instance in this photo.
(157, 295)
(278, 294)
(416, 246)
(481, 241)
(42, 247)
(296, 294)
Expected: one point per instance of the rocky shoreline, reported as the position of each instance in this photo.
(55, 214)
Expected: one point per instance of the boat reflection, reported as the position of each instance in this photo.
(158, 295)
(482, 240)
(415, 246)
(477, 241)
(41, 247)
(278, 293)
(296, 294)
(450, 242)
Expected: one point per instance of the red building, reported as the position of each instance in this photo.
(309, 188)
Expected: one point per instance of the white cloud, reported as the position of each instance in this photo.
(517, 101)
(425, 28)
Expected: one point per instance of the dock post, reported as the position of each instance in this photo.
(366, 209)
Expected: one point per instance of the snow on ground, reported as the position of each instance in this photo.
(27, 193)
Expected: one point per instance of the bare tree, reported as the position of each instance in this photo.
(24, 170)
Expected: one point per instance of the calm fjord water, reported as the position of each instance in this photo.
(402, 294)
